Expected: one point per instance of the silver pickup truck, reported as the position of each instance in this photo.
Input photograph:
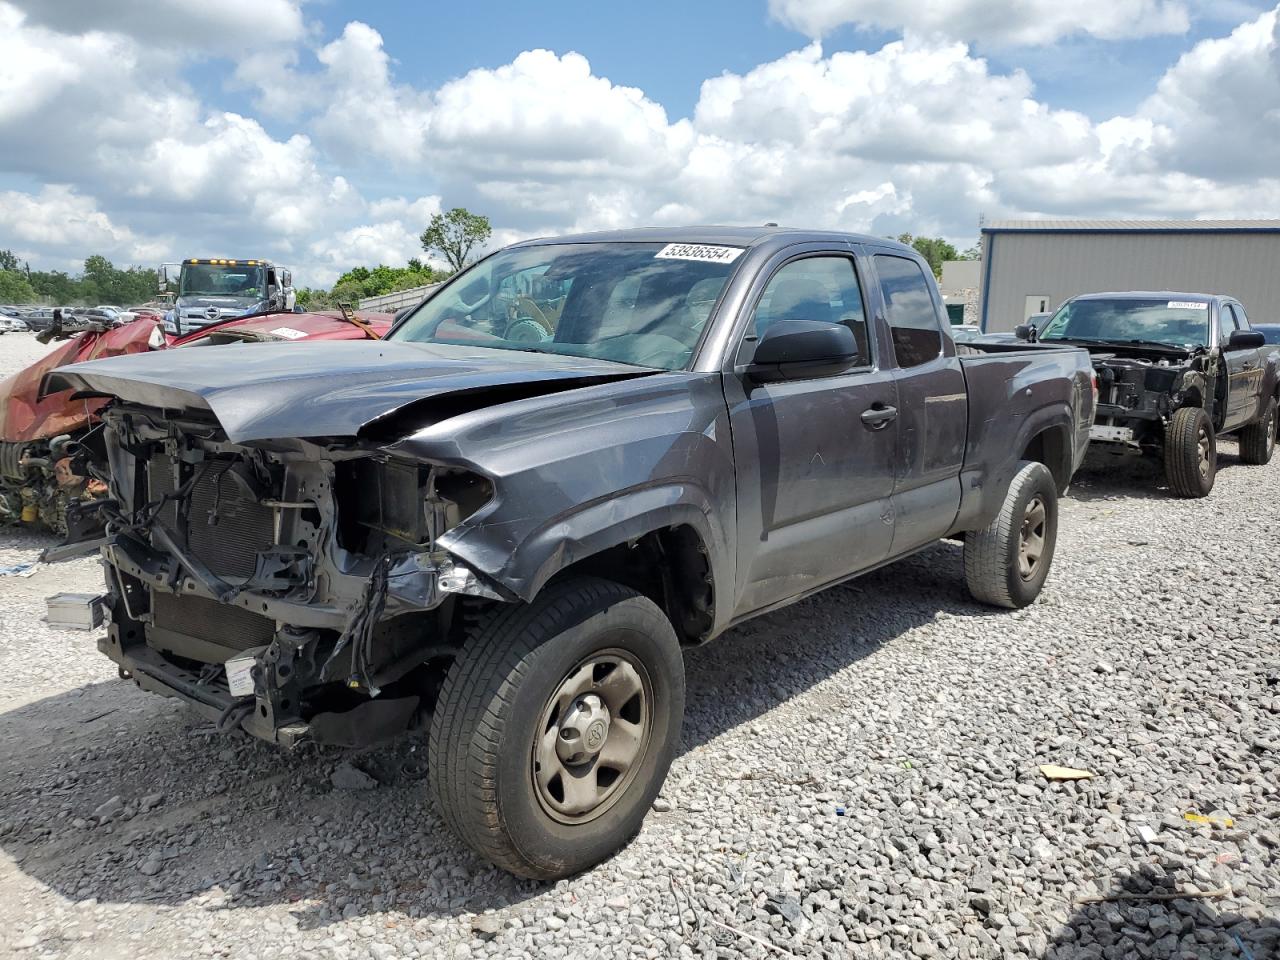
(504, 521)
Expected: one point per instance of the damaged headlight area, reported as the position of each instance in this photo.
(295, 588)
(1138, 395)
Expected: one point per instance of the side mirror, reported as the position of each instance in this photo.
(168, 276)
(1023, 331)
(1245, 340)
(802, 349)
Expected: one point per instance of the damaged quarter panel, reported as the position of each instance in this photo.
(578, 473)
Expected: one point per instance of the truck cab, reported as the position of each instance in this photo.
(213, 289)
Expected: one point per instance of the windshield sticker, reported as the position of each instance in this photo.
(1187, 305)
(289, 333)
(699, 251)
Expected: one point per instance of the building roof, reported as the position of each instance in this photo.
(1131, 226)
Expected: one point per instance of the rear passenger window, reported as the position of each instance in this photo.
(913, 320)
(816, 288)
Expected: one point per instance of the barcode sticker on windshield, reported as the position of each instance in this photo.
(1187, 305)
(289, 333)
(699, 251)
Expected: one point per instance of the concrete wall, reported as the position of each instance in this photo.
(391, 302)
(1063, 265)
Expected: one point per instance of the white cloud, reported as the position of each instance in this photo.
(218, 26)
(990, 22)
(366, 111)
(59, 223)
(93, 110)
(391, 237)
(919, 135)
(1219, 105)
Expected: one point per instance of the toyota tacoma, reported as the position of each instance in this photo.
(1175, 372)
(504, 521)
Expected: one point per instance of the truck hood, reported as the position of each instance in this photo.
(329, 389)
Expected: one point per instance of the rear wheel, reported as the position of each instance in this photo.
(1007, 563)
(1190, 453)
(1258, 440)
(555, 727)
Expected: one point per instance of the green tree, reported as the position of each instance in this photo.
(973, 253)
(14, 288)
(309, 299)
(8, 261)
(935, 250)
(348, 291)
(453, 235)
(55, 286)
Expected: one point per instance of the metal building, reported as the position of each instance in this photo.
(1030, 266)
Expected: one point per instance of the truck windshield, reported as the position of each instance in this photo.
(1178, 323)
(639, 303)
(218, 280)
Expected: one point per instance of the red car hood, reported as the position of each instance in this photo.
(288, 326)
(25, 418)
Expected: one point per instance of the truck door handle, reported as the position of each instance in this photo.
(879, 416)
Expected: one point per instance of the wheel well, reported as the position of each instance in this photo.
(1052, 447)
(670, 567)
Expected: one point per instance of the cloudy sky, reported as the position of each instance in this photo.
(324, 133)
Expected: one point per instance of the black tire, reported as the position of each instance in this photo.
(995, 567)
(494, 701)
(1258, 440)
(1190, 453)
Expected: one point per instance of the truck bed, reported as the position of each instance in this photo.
(1011, 389)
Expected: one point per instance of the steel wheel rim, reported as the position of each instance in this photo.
(1203, 442)
(592, 736)
(1270, 429)
(1031, 538)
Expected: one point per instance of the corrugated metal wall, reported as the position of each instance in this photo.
(1063, 265)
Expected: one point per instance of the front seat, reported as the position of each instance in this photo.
(795, 298)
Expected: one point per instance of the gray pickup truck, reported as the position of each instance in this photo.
(505, 520)
(1176, 371)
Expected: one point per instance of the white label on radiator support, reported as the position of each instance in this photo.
(240, 675)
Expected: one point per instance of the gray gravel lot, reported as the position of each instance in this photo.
(128, 829)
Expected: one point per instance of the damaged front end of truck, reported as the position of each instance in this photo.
(1140, 390)
(236, 580)
(298, 588)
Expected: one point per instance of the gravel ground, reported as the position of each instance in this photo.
(858, 778)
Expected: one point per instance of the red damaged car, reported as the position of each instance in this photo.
(39, 438)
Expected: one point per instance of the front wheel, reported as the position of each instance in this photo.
(555, 727)
(1007, 563)
(1258, 440)
(1190, 453)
